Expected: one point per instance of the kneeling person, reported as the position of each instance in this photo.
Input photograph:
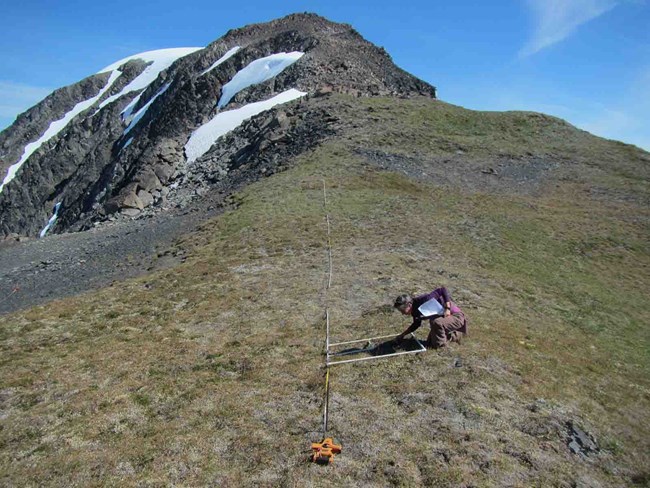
(446, 324)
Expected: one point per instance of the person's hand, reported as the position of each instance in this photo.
(447, 312)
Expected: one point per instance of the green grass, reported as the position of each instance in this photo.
(211, 373)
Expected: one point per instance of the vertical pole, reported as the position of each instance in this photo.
(327, 317)
(329, 252)
(327, 402)
(327, 335)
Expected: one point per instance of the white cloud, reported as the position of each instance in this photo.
(557, 19)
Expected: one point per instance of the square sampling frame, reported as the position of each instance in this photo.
(420, 349)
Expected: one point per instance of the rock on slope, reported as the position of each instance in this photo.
(116, 141)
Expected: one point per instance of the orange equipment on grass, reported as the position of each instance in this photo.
(324, 451)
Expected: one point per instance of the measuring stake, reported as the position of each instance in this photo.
(327, 401)
(324, 452)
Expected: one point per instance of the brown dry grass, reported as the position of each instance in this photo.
(211, 373)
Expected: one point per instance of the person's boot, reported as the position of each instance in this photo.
(455, 337)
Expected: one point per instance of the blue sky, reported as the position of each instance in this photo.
(587, 61)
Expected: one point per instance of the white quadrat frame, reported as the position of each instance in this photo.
(332, 363)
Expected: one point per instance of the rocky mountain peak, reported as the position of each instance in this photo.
(149, 131)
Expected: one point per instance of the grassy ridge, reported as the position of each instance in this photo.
(210, 373)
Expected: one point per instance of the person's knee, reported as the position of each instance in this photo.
(438, 323)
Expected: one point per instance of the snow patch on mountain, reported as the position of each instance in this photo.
(52, 220)
(128, 110)
(162, 56)
(160, 60)
(140, 113)
(127, 144)
(256, 72)
(205, 136)
(221, 59)
(56, 127)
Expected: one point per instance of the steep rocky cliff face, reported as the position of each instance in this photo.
(117, 142)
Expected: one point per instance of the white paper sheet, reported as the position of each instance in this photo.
(432, 307)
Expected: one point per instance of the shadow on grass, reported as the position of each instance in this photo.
(381, 349)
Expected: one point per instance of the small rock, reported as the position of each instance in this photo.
(148, 180)
(579, 441)
(575, 447)
(130, 212)
(132, 200)
(538, 405)
(146, 198)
